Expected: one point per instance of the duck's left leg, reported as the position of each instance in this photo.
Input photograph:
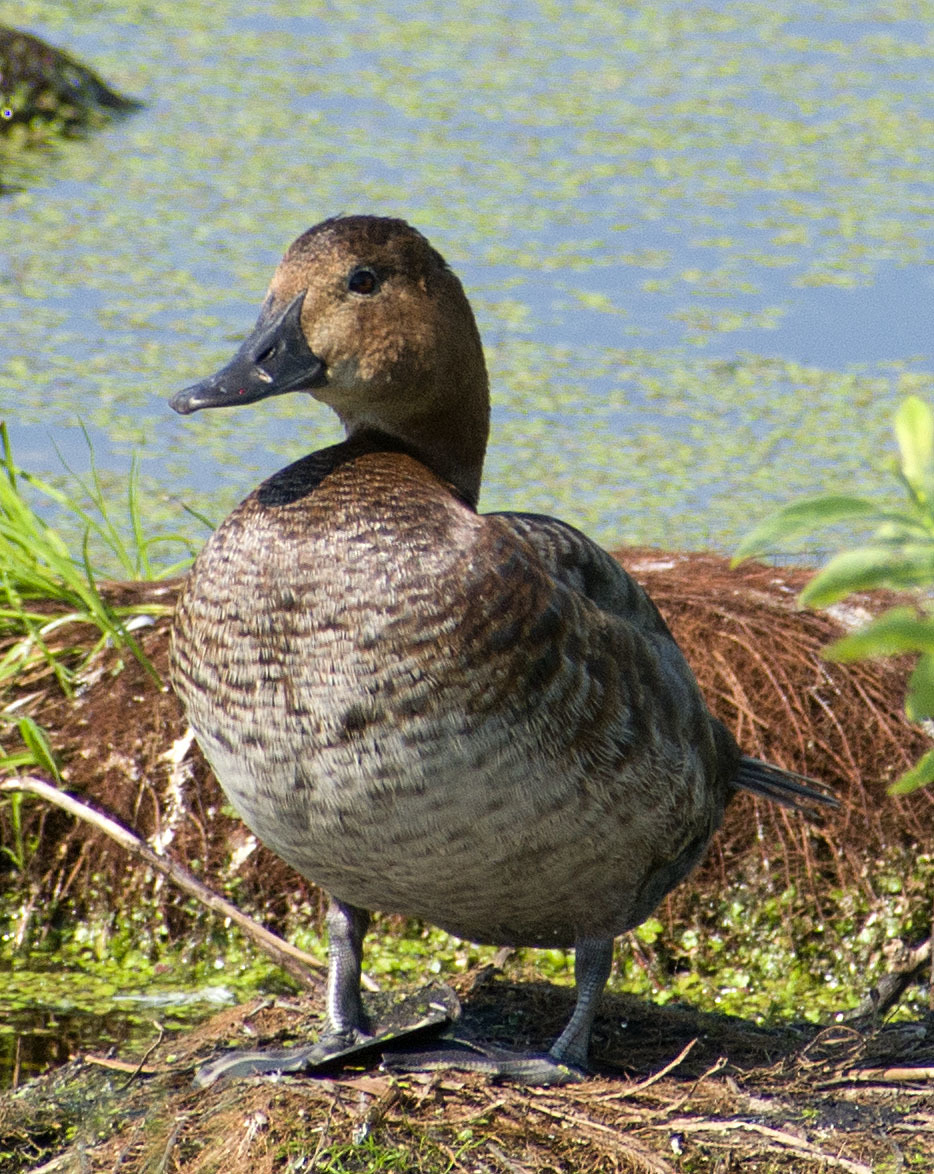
(564, 1063)
(593, 960)
(566, 1059)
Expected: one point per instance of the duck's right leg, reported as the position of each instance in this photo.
(346, 1022)
(345, 1026)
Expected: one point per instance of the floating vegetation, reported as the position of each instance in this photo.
(696, 236)
(45, 93)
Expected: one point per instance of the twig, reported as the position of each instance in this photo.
(299, 964)
(788, 1141)
(620, 1140)
(142, 1064)
(878, 1076)
(921, 1124)
(647, 1083)
(893, 985)
(163, 1164)
(120, 1065)
(56, 1163)
(505, 1161)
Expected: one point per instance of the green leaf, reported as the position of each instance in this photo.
(804, 517)
(914, 428)
(901, 629)
(919, 702)
(917, 776)
(869, 567)
(38, 745)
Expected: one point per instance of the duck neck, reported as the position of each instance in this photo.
(446, 432)
(460, 464)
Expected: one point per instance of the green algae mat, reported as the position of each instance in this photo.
(698, 238)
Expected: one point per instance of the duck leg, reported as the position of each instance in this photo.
(346, 1025)
(346, 1022)
(564, 1063)
(566, 1059)
(593, 959)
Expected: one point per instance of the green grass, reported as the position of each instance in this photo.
(46, 588)
(54, 616)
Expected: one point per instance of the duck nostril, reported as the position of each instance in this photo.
(266, 354)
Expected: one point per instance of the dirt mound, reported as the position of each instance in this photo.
(675, 1089)
(758, 659)
(124, 745)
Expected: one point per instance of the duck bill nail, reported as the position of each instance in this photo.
(273, 360)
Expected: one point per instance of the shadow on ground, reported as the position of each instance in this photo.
(674, 1090)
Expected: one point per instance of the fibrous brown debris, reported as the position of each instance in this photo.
(757, 656)
(678, 1090)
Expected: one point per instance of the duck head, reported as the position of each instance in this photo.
(363, 314)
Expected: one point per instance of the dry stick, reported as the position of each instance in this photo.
(653, 1079)
(180, 1123)
(132, 1068)
(785, 1141)
(505, 1161)
(55, 1164)
(628, 1145)
(921, 1124)
(879, 1076)
(299, 964)
(893, 985)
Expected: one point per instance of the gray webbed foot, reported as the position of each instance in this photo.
(534, 1068)
(334, 1045)
(423, 1012)
(346, 1029)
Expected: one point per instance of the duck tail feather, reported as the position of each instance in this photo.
(786, 787)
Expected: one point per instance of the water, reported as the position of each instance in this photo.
(55, 1005)
(698, 239)
(46, 1033)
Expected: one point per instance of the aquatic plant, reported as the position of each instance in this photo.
(54, 616)
(898, 555)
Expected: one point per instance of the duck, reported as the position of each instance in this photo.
(475, 719)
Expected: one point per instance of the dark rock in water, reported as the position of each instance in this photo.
(44, 92)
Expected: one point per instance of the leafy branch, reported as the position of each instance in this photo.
(899, 556)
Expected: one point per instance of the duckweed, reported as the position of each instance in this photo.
(637, 197)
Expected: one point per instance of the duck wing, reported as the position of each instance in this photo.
(574, 560)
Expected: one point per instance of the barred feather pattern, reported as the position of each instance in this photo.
(476, 719)
(480, 720)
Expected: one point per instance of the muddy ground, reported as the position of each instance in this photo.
(674, 1089)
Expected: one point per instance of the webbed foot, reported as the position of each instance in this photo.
(334, 1045)
(429, 1010)
(534, 1068)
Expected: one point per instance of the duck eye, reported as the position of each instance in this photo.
(363, 281)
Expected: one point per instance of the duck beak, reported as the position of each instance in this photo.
(274, 359)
